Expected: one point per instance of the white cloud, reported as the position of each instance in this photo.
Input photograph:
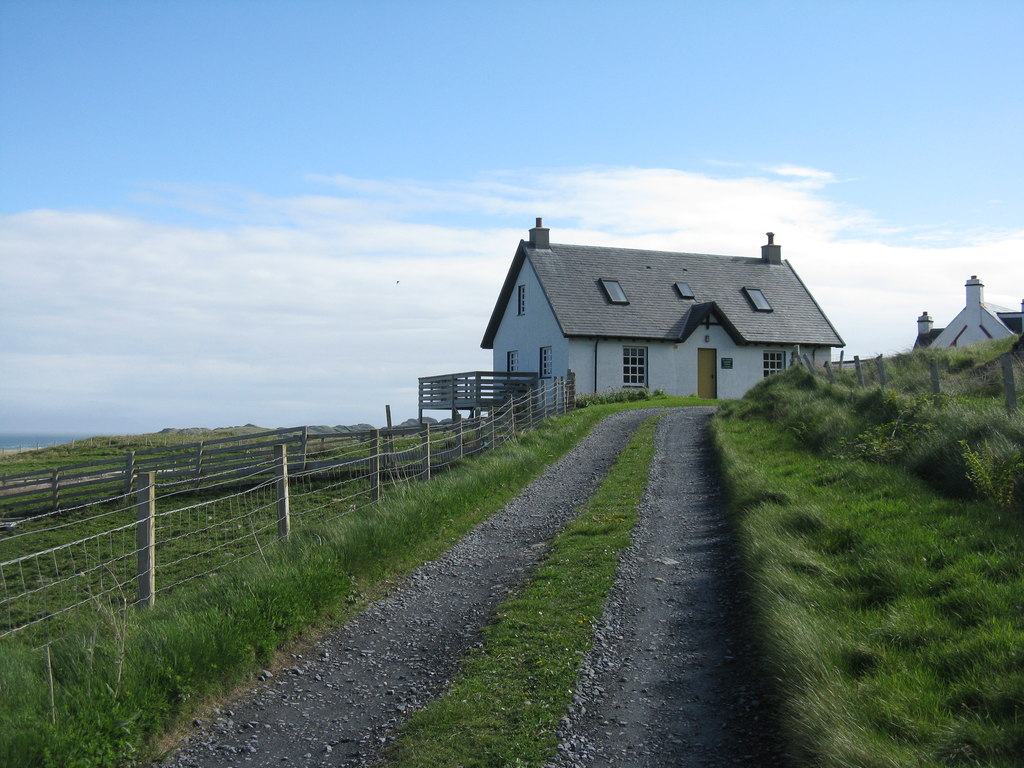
(322, 308)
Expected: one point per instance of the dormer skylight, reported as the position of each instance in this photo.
(685, 291)
(757, 299)
(613, 289)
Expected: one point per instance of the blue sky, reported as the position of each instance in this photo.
(284, 212)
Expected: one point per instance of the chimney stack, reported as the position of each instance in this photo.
(540, 236)
(771, 253)
(975, 292)
(924, 324)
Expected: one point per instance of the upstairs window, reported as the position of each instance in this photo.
(757, 299)
(614, 291)
(521, 300)
(685, 291)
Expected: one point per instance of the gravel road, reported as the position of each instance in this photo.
(671, 681)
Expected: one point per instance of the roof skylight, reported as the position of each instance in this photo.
(614, 291)
(685, 291)
(757, 298)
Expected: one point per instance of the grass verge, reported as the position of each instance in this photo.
(504, 707)
(892, 615)
(103, 692)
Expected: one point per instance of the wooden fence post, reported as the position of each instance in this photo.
(860, 371)
(492, 416)
(936, 387)
(462, 438)
(375, 465)
(883, 378)
(426, 451)
(807, 363)
(129, 472)
(145, 540)
(55, 489)
(283, 511)
(828, 370)
(571, 405)
(199, 463)
(1009, 386)
(305, 446)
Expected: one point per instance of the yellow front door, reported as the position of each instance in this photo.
(707, 384)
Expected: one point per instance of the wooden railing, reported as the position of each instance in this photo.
(474, 391)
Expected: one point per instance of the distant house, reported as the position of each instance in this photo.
(977, 321)
(685, 323)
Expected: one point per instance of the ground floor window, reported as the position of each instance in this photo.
(774, 362)
(512, 360)
(545, 362)
(634, 366)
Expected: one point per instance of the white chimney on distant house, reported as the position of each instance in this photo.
(540, 236)
(924, 324)
(975, 292)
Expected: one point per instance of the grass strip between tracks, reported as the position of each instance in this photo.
(504, 707)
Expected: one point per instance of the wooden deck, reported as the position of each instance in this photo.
(474, 391)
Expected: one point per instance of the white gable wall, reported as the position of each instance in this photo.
(974, 323)
(529, 332)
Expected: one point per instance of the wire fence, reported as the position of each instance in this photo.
(932, 376)
(127, 549)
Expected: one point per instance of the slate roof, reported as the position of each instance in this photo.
(570, 276)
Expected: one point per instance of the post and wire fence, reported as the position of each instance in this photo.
(162, 533)
(930, 377)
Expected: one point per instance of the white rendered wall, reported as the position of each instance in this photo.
(673, 367)
(529, 332)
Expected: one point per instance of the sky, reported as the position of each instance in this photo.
(220, 212)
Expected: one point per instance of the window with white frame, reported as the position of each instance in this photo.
(521, 300)
(512, 360)
(774, 362)
(634, 366)
(545, 362)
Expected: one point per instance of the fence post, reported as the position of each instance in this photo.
(129, 472)
(807, 363)
(860, 371)
(145, 540)
(283, 512)
(492, 416)
(571, 404)
(199, 463)
(55, 489)
(305, 446)
(936, 389)
(828, 370)
(375, 465)
(462, 438)
(883, 378)
(1009, 386)
(426, 450)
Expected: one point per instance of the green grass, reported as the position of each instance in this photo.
(504, 706)
(121, 679)
(892, 615)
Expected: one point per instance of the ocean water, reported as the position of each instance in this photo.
(13, 441)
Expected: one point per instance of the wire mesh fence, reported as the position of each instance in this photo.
(129, 548)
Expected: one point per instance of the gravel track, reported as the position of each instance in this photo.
(672, 679)
(339, 704)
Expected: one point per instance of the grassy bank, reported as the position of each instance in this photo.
(114, 682)
(891, 608)
(504, 707)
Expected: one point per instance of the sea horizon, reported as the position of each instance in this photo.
(16, 441)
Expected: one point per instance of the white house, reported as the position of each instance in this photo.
(685, 323)
(977, 321)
